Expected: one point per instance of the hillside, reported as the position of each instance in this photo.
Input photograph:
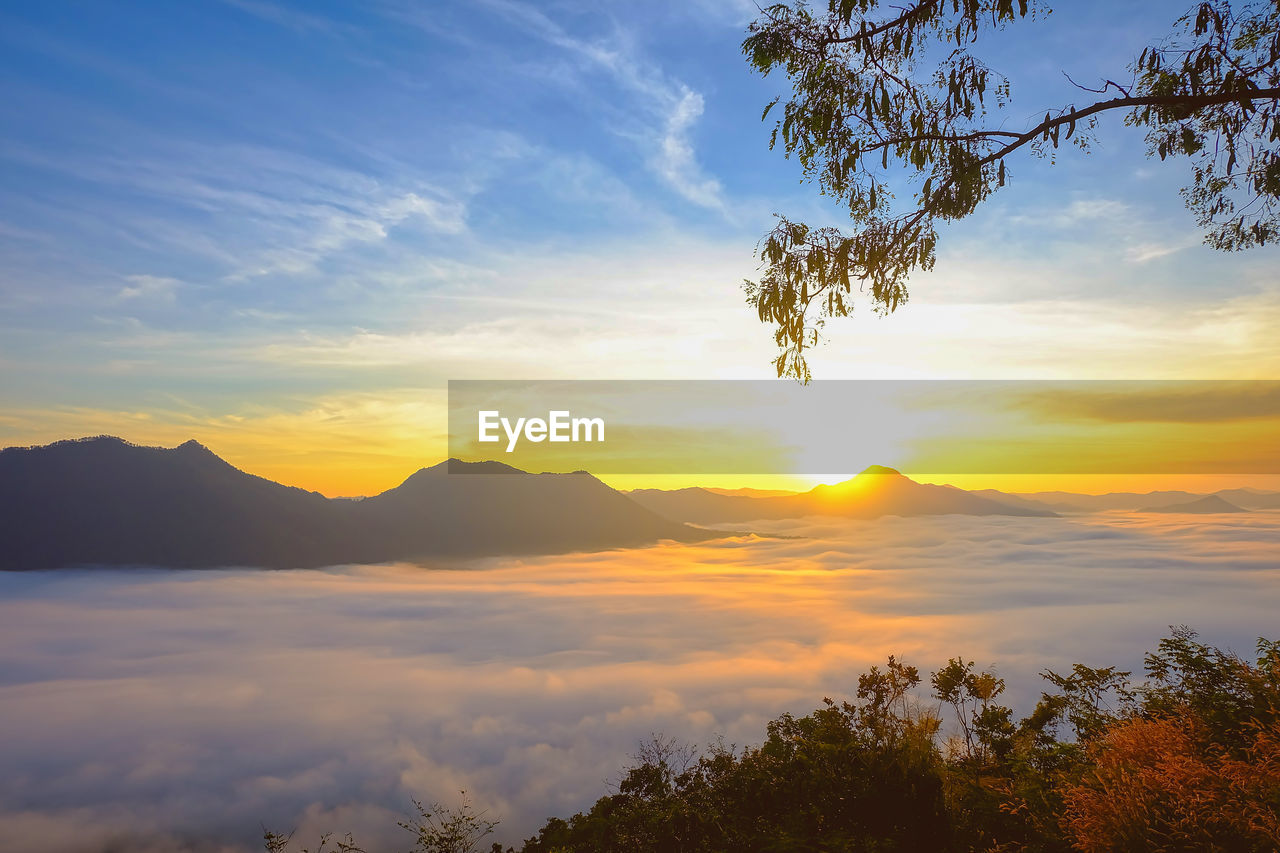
(104, 501)
(877, 491)
(1209, 504)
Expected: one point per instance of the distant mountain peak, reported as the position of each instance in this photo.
(877, 491)
(86, 441)
(453, 465)
(1207, 504)
(879, 471)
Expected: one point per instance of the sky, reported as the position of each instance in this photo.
(281, 228)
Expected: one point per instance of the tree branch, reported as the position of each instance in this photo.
(911, 221)
(1188, 101)
(866, 33)
(944, 137)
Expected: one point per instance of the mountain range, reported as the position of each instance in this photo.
(875, 492)
(104, 501)
(1208, 504)
(883, 491)
(1070, 502)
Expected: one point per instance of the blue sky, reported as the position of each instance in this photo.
(281, 227)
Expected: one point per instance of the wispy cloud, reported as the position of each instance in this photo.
(676, 161)
(671, 107)
(150, 288)
(14, 232)
(1138, 238)
(285, 16)
(261, 211)
(1162, 402)
(1143, 252)
(1092, 209)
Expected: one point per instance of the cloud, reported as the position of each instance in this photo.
(609, 307)
(8, 231)
(182, 710)
(673, 107)
(154, 288)
(1144, 252)
(320, 232)
(444, 216)
(1094, 209)
(1168, 402)
(293, 19)
(254, 210)
(676, 162)
(737, 13)
(1127, 232)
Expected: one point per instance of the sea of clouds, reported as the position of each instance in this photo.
(155, 710)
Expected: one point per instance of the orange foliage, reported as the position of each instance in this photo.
(1160, 784)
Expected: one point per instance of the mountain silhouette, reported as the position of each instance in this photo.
(104, 501)
(470, 508)
(1209, 504)
(1070, 502)
(876, 492)
(1250, 498)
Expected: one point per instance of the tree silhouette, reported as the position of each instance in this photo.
(867, 105)
(1187, 760)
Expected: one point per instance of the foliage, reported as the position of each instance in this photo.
(275, 842)
(850, 776)
(444, 829)
(1187, 760)
(436, 829)
(1165, 783)
(1229, 693)
(886, 94)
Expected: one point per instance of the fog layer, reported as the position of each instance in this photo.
(184, 710)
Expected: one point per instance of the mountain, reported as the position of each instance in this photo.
(1211, 503)
(746, 492)
(875, 492)
(1251, 498)
(471, 508)
(1072, 502)
(1132, 501)
(104, 501)
(1031, 501)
